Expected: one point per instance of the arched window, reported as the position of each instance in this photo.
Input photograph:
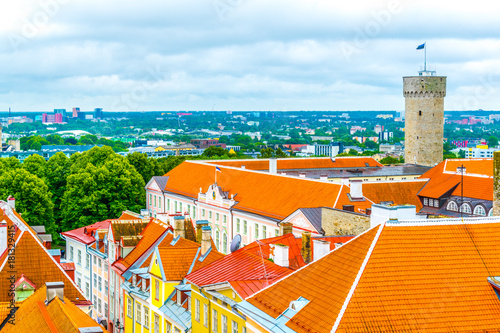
(217, 239)
(490, 213)
(452, 206)
(224, 243)
(479, 210)
(465, 208)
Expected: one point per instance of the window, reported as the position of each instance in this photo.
(238, 225)
(95, 302)
(159, 202)
(452, 206)
(276, 232)
(243, 329)
(155, 201)
(215, 323)
(150, 199)
(157, 323)
(100, 283)
(197, 310)
(157, 289)
(87, 289)
(256, 231)
(95, 260)
(436, 203)
(205, 315)
(95, 280)
(209, 214)
(225, 219)
(87, 261)
(99, 309)
(168, 327)
(264, 232)
(194, 212)
(168, 204)
(100, 263)
(138, 314)
(79, 257)
(426, 202)
(105, 310)
(175, 204)
(176, 330)
(217, 238)
(479, 210)
(71, 253)
(419, 113)
(203, 212)
(224, 243)
(224, 324)
(235, 327)
(245, 229)
(217, 216)
(465, 208)
(106, 286)
(180, 206)
(79, 282)
(146, 317)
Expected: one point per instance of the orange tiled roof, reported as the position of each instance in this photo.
(33, 260)
(444, 178)
(34, 315)
(400, 193)
(304, 163)
(429, 276)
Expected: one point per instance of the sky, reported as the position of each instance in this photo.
(268, 55)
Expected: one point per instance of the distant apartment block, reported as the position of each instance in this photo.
(55, 118)
(203, 144)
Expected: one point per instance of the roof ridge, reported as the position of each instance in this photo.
(46, 317)
(62, 308)
(356, 280)
(444, 221)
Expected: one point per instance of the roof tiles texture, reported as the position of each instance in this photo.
(429, 278)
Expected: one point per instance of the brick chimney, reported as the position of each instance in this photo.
(286, 228)
(496, 183)
(279, 254)
(206, 240)
(199, 232)
(179, 227)
(54, 289)
(306, 246)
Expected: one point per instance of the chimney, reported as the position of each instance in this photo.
(95, 329)
(143, 284)
(306, 246)
(199, 225)
(279, 254)
(179, 227)
(12, 202)
(206, 240)
(243, 167)
(54, 289)
(302, 175)
(134, 280)
(286, 228)
(356, 189)
(321, 248)
(3, 236)
(496, 183)
(323, 177)
(273, 166)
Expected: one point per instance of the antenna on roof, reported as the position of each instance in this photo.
(235, 243)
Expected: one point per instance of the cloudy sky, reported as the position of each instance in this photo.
(274, 55)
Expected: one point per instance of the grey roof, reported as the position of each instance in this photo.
(313, 215)
(54, 252)
(45, 237)
(386, 171)
(161, 181)
(39, 229)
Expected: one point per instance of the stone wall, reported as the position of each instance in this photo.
(424, 119)
(336, 222)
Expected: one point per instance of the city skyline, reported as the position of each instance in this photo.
(243, 55)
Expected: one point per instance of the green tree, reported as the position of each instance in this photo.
(56, 171)
(492, 141)
(101, 185)
(32, 196)
(35, 164)
(8, 164)
(88, 139)
(214, 151)
(389, 160)
(54, 139)
(267, 152)
(280, 153)
(147, 167)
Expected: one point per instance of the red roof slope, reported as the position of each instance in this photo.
(429, 276)
(85, 235)
(304, 163)
(477, 179)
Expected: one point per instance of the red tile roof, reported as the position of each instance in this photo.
(86, 234)
(34, 315)
(33, 260)
(304, 163)
(429, 276)
(444, 178)
(248, 269)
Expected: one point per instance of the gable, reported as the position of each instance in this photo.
(300, 221)
(155, 266)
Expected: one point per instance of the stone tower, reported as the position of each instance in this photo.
(424, 118)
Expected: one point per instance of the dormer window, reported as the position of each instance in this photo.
(426, 201)
(452, 206)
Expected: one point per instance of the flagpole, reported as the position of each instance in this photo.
(215, 175)
(425, 56)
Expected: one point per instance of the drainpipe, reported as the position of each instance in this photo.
(91, 277)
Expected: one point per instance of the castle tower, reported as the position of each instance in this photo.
(424, 118)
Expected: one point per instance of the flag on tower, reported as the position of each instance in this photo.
(217, 169)
(421, 46)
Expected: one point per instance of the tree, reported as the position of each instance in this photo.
(8, 164)
(88, 139)
(54, 139)
(56, 171)
(101, 185)
(389, 160)
(32, 196)
(280, 153)
(267, 152)
(147, 167)
(214, 151)
(492, 141)
(35, 164)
